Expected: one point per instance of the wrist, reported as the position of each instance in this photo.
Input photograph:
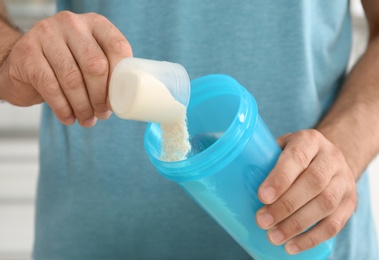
(339, 140)
(3, 81)
(353, 135)
(9, 35)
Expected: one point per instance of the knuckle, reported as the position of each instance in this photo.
(43, 83)
(313, 134)
(100, 105)
(72, 80)
(61, 59)
(333, 227)
(283, 179)
(51, 89)
(300, 157)
(337, 155)
(310, 242)
(302, 134)
(328, 201)
(44, 26)
(288, 206)
(38, 77)
(97, 66)
(91, 15)
(90, 47)
(64, 111)
(68, 72)
(83, 111)
(120, 46)
(67, 16)
(72, 21)
(296, 226)
(352, 201)
(98, 19)
(317, 179)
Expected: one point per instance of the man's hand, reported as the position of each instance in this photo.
(66, 61)
(311, 184)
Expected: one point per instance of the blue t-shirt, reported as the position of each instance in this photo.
(99, 197)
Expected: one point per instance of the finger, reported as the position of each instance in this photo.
(94, 68)
(103, 49)
(309, 184)
(300, 149)
(325, 229)
(317, 209)
(70, 79)
(91, 60)
(112, 41)
(43, 79)
(282, 140)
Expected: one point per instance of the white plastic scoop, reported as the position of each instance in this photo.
(149, 90)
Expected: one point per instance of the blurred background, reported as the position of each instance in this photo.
(19, 153)
(19, 143)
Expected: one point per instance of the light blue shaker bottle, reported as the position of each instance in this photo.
(233, 151)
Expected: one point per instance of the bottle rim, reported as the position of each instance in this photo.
(227, 147)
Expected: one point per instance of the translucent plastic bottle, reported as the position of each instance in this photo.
(149, 90)
(233, 152)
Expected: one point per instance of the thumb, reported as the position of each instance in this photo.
(282, 140)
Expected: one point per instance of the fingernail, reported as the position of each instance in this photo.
(292, 249)
(103, 115)
(69, 121)
(264, 219)
(268, 194)
(276, 236)
(89, 122)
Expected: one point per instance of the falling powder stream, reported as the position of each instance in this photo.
(175, 140)
(138, 95)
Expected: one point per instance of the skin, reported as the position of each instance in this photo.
(314, 180)
(65, 60)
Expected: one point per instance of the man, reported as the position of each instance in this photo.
(99, 197)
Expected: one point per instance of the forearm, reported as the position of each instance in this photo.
(9, 34)
(2, 9)
(353, 122)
